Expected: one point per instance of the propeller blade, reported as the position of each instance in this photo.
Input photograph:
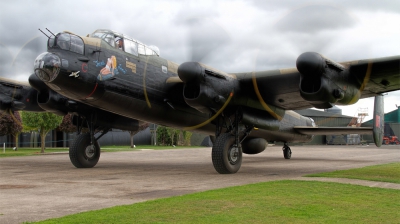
(205, 36)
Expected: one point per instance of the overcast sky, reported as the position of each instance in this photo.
(233, 36)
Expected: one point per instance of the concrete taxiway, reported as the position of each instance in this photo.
(40, 187)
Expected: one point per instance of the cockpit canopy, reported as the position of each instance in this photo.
(125, 43)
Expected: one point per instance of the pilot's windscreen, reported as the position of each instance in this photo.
(109, 38)
(98, 35)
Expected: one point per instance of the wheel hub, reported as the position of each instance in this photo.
(89, 151)
(234, 154)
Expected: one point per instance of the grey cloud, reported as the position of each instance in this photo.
(273, 38)
(314, 18)
(363, 5)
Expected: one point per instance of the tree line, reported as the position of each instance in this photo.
(14, 123)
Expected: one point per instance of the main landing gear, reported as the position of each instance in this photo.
(226, 151)
(85, 150)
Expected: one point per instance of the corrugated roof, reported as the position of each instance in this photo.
(318, 113)
(391, 117)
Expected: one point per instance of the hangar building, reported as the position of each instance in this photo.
(392, 124)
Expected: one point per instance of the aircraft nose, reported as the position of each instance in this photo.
(47, 66)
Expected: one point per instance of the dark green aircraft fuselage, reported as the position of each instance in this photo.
(147, 88)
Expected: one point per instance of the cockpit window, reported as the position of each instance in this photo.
(109, 38)
(141, 49)
(68, 42)
(124, 43)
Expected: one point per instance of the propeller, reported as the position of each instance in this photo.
(15, 66)
(205, 36)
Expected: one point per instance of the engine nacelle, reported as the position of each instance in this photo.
(205, 89)
(324, 82)
(254, 145)
(53, 102)
(17, 97)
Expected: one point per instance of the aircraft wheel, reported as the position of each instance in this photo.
(226, 157)
(82, 154)
(287, 152)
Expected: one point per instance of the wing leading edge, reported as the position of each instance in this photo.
(320, 82)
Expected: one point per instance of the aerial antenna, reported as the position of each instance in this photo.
(50, 32)
(44, 33)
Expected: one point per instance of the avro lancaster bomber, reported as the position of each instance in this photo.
(109, 80)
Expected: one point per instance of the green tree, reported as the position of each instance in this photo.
(171, 136)
(162, 135)
(41, 122)
(186, 135)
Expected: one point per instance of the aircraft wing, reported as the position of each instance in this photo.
(381, 75)
(16, 95)
(276, 87)
(320, 82)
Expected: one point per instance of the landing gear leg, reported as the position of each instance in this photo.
(287, 152)
(227, 152)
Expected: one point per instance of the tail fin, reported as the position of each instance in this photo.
(379, 123)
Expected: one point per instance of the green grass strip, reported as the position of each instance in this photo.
(36, 151)
(29, 151)
(140, 147)
(384, 173)
(270, 202)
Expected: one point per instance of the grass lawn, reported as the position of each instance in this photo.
(385, 173)
(29, 151)
(140, 147)
(270, 202)
(36, 151)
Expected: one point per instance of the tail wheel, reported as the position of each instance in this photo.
(83, 154)
(226, 156)
(287, 152)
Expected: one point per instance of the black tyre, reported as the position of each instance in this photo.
(226, 158)
(82, 154)
(287, 152)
